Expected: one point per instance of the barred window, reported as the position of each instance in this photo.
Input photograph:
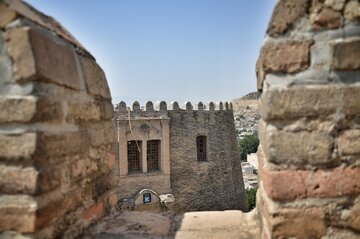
(201, 148)
(153, 155)
(134, 156)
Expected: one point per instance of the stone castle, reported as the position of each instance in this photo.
(191, 153)
(57, 163)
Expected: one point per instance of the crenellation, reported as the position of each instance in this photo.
(199, 106)
(211, 106)
(188, 105)
(136, 107)
(174, 105)
(149, 106)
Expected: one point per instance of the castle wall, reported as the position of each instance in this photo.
(216, 184)
(55, 128)
(309, 75)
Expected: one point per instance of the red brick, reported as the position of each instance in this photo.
(95, 212)
(37, 57)
(294, 184)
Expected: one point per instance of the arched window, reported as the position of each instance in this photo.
(201, 148)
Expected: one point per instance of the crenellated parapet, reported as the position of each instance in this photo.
(162, 108)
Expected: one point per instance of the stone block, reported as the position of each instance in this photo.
(17, 180)
(94, 78)
(285, 57)
(83, 111)
(62, 143)
(346, 55)
(6, 15)
(286, 12)
(327, 18)
(50, 178)
(351, 100)
(349, 142)
(101, 133)
(48, 109)
(17, 213)
(17, 108)
(337, 5)
(294, 184)
(352, 10)
(301, 101)
(17, 146)
(37, 57)
(297, 148)
(297, 223)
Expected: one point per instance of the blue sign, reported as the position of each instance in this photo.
(147, 198)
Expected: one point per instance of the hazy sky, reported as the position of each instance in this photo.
(183, 50)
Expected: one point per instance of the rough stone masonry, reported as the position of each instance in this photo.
(309, 74)
(55, 128)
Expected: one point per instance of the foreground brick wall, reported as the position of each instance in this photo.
(309, 73)
(55, 128)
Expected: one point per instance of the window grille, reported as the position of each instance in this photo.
(153, 155)
(201, 148)
(134, 156)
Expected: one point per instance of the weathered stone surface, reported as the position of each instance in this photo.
(285, 57)
(17, 108)
(309, 223)
(48, 109)
(17, 180)
(327, 18)
(83, 111)
(6, 15)
(306, 184)
(352, 10)
(298, 148)
(346, 55)
(57, 208)
(51, 144)
(351, 100)
(17, 146)
(95, 78)
(17, 213)
(349, 142)
(37, 57)
(190, 178)
(335, 4)
(299, 101)
(285, 14)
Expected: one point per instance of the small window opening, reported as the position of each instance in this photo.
(153, 155)
(201, 148)
(134, 156)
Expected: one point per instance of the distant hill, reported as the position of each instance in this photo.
(246, 113)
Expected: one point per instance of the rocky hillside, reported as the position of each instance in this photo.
(246, 114)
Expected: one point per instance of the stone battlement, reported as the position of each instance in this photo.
(162, 106)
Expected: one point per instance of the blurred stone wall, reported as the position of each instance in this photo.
(309, 75)
(55, 128)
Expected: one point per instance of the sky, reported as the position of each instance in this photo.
(171, 50)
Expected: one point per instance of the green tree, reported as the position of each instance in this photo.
(248, 145)
(251, 197)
